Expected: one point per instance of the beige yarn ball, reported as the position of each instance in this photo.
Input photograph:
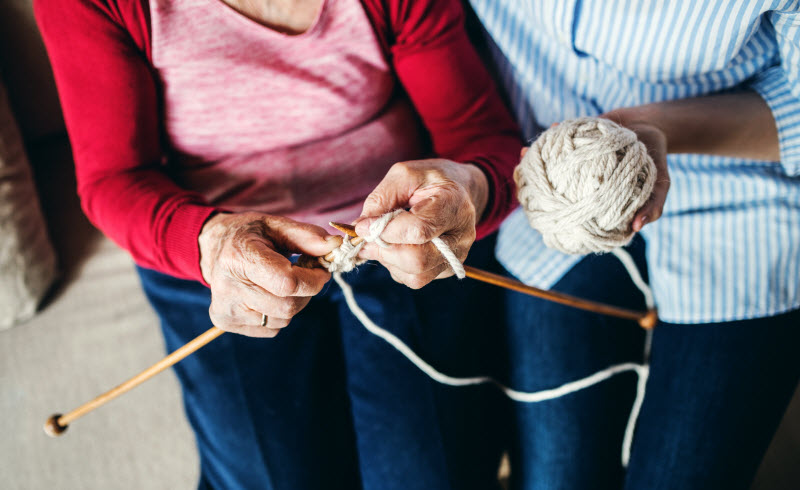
(581, 183)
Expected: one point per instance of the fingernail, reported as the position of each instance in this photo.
(333, 241)
(644, 221)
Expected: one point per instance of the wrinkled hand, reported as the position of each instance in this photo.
(446, 199)
(244, 258)
(640, 122)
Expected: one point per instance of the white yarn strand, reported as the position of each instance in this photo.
(438, 376)
(377, 227)
(345, 257)
(627, 441)
(644, 369)
(345, 260)
(455, 264)
(636, 277)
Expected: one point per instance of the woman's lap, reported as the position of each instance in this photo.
(260, 407)
(714, 397)
(422, 426)
(717, 393)
(279, 413)
(573, 442)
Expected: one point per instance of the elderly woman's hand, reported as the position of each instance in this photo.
(445, 198)
(244, 259)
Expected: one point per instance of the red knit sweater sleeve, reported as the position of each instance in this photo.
(99, 52)
(453, 93)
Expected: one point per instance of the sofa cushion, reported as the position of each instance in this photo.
(26, 72)
(27, 259)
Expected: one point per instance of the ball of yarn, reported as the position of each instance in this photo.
(581, 183)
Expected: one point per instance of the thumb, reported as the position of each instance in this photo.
(426, 220)
(294, 237)
(394, 192)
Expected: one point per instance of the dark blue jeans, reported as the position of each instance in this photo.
(327, 405)
(715, 394)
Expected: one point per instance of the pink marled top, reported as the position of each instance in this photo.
(303, 126)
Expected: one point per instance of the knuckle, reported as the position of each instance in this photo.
(416, 282)
(401, 168)
(271, 332)
(374, 199)
(463, 243)
(288, 308)
(278, 323)
(439, 175)
(377, 201)
(318, 285)
(216, 319)
(225, 324)
(420, 233)
(395, 277)
(462, 251)
(416, 260)
(220, 314)
(285, 284)
(470, 234)
(232, 328)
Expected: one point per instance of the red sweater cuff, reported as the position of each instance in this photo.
(182, 251)
(501, 200)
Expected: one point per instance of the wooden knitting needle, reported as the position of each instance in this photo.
(58, 423)
(645, 319)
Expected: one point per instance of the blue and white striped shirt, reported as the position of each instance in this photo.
(728, 244)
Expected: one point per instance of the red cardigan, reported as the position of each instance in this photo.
(100, 52)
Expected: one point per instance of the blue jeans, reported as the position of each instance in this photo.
(715, 394)
(326, 404)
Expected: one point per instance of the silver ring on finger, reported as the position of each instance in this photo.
(263, 320)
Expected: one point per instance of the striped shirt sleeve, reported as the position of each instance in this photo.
(779, 86)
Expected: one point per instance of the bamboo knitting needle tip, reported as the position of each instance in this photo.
(58, 423)
(348, 230)
(309, 262)
(649, 320)
(53, 428)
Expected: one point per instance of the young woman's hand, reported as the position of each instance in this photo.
(636, 119)
(738, 125)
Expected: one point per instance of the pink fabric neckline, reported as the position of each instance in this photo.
(241, 19)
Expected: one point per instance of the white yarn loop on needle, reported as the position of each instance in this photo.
(345, 258)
